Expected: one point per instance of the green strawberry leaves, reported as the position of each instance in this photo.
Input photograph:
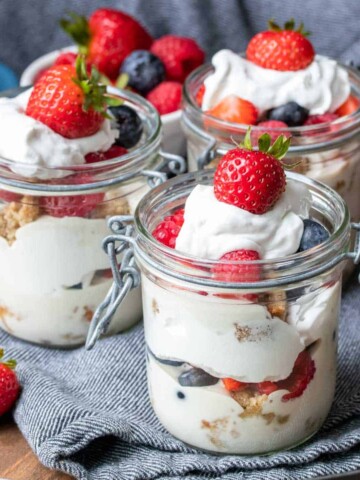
(277, 150)
(11, 363)
(289, 25)
(93, 88)
(77, 28)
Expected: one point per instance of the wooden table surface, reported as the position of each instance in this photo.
(17, 460)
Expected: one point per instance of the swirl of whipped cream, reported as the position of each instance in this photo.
(321, 87)
(213, 228)
(31, 145)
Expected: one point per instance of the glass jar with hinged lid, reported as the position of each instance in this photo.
(236, 364)
(53, 219)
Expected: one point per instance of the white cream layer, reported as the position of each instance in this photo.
(33, 146)
(213, 228)
(321, 87)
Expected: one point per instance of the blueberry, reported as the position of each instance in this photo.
(195, 377)
(145, 70)
(78, 286)
(314, 234)
(291, 113)
(180, 395)
(129, 125)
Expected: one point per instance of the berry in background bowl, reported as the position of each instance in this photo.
(72, 156)
(238, 366)
(116, 44)
(279, 86)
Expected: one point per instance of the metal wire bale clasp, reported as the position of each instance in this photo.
(126, 276)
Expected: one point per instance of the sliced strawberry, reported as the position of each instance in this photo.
(267, 387)
(200, 95)
(167, 231)
(350, 105)
(113, 152)
(302, 374)
(232, 385)
(236, 110)
(72, 205)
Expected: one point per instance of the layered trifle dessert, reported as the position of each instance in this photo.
(64, 144)
(280, 85)
(241, 345)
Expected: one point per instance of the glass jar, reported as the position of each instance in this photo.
(52, 222)
(275, 339)
(329, 153)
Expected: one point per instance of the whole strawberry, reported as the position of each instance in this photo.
(180, 56)
(68, 101)
(107, 38)
(9, 385)
(249, 179)
(283, 49)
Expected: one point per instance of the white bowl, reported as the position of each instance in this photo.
(173, 137)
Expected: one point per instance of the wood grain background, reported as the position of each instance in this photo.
(17, 460)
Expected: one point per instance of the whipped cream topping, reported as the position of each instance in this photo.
(33, 146)
(213, 228)
(321, 87)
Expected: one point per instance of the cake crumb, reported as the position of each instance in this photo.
(251, 402)
(116, 206)
(216, 428)
(155, 307)
(242, 333)
(17, 214)
(88, 314)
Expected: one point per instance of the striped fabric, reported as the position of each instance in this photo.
(88, 414)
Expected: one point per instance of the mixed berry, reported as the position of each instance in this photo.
(116, 44)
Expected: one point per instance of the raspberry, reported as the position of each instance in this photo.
(113, 152)
(167, 231)
(66, 58)
(317, 119)
(267, 127)
(238, 273)
(179, 55)
(72, 205)
(166, 97)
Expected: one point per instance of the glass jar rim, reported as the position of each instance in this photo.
(284, 269)
(127, 165)
(346, 126)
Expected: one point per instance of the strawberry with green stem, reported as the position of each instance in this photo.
(106, 38)
(9, 384)
(69, 101)
(281, 48)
